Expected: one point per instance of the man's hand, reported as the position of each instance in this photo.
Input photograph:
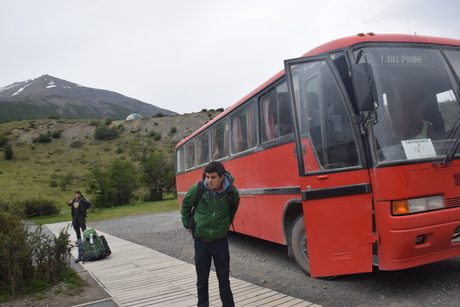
(189, 230)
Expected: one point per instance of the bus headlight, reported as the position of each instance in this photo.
(407, 206)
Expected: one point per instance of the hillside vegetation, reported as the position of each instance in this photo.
(36, 167)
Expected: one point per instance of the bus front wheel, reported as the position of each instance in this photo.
(299, 244)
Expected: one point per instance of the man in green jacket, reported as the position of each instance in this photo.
(213, 216)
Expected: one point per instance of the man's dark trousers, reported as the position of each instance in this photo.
(77, 223)
(204, 253)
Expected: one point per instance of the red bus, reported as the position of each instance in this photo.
(347, 156)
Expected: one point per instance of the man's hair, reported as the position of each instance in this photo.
(77, 192)
(215, 167)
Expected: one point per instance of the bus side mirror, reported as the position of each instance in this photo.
(363, 85)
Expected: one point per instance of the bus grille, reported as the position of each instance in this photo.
(457, 180)
(453, 202)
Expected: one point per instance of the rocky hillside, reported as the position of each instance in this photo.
(74, 129)
(36, 167)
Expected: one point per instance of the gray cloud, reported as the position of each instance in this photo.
(189, 55)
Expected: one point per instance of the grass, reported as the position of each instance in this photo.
(35, 166)
(96, 215)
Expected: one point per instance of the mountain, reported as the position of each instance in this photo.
(48, 95)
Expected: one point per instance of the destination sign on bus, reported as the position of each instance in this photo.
(402, 59)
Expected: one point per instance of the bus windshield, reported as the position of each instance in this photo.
(418, 115)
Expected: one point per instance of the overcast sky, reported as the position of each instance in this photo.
(190, 55)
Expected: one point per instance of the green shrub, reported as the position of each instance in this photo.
(3, 140)
(43, 138)
(94, 122)
(121, 127)
(77, 144)
(38, 207)
(8, 152)
(157, 137)
(105, 133)
(30, 260)
(56, 134)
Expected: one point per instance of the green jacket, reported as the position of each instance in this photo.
(214, 214)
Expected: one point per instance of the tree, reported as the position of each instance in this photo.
(113, 187)
(98, 185)
(157, 174)
(65, 181)
(156, 167)
(123, 179)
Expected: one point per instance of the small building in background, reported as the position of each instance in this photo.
(133, 116)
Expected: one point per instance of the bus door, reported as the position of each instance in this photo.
(336, 198)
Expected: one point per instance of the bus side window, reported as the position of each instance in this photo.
(180, 160)
(284, 110)
(268, 112)
(237, 134)
(190, 155)
(202, 148)
(219, 140)
(243, 135)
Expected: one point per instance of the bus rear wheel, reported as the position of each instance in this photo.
(299, 244)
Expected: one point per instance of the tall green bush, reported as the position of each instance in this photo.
(105, 133)
(8, 152)
(43, 138)
(29, 258)
(37, 207)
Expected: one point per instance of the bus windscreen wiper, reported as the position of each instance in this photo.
(451, 153)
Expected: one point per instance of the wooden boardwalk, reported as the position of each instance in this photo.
(135, 275)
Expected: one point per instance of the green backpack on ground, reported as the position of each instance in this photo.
(95, 247)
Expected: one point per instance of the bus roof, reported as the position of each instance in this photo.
(336, 45)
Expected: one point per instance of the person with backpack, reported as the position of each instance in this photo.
(79, 205)
(215, 201)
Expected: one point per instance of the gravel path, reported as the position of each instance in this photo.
(267, 264)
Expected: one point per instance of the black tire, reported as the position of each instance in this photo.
(299, 244)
